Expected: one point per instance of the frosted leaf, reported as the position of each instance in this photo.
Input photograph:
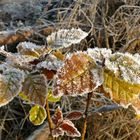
(51, 63)
(75, 77)
(57, 118)
(62, 125)
(35, 89)
(31, 49)
(125, 66)
(64, 38)
(68, 127)
(57, 132)
(10, 85)
(99, 54)
(24, 59)
(122, 79)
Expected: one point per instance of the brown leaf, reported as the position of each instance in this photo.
(69, 128)
(35, 88)
(74, 115)
(48, 73)
(75, 77)
(10, 37)
(57, 117)
(57, 132)
(31, 49)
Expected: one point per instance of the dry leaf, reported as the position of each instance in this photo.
(10, 85)
(122, 78)
(31, 49)
(76, 76)
(35, 88)
(57, 117)
(69, 128)
(64, 38)
(74, 115)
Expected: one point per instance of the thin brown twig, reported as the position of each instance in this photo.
(86, 116)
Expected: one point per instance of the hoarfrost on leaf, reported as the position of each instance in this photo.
(31, 49)
(75, 76)
(10, 85)
(35, 88)
(125, 66)
(51, 63)
(99, 54)
(122, 79)
(64, 38)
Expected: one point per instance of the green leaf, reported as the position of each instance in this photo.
(37, 115)
(35, 89)
(52, 98)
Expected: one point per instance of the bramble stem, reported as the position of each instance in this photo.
(49, 117)
(86, 116)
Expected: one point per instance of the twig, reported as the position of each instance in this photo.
(49, 117)
(86, 116)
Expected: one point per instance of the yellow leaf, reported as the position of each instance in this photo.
(59, 55)
(122, 79)
(51, 98)
(24, 97)
(37, 115)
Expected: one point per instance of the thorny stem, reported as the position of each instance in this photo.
(86, 116)
(49, 117)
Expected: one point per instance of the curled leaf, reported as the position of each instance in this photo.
(37, 115)
(35, 89)
(10, 85)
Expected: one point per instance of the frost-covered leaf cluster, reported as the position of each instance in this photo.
(64, 125)
(34, 69)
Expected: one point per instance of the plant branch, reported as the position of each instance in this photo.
(49, 117)
(86, 116)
